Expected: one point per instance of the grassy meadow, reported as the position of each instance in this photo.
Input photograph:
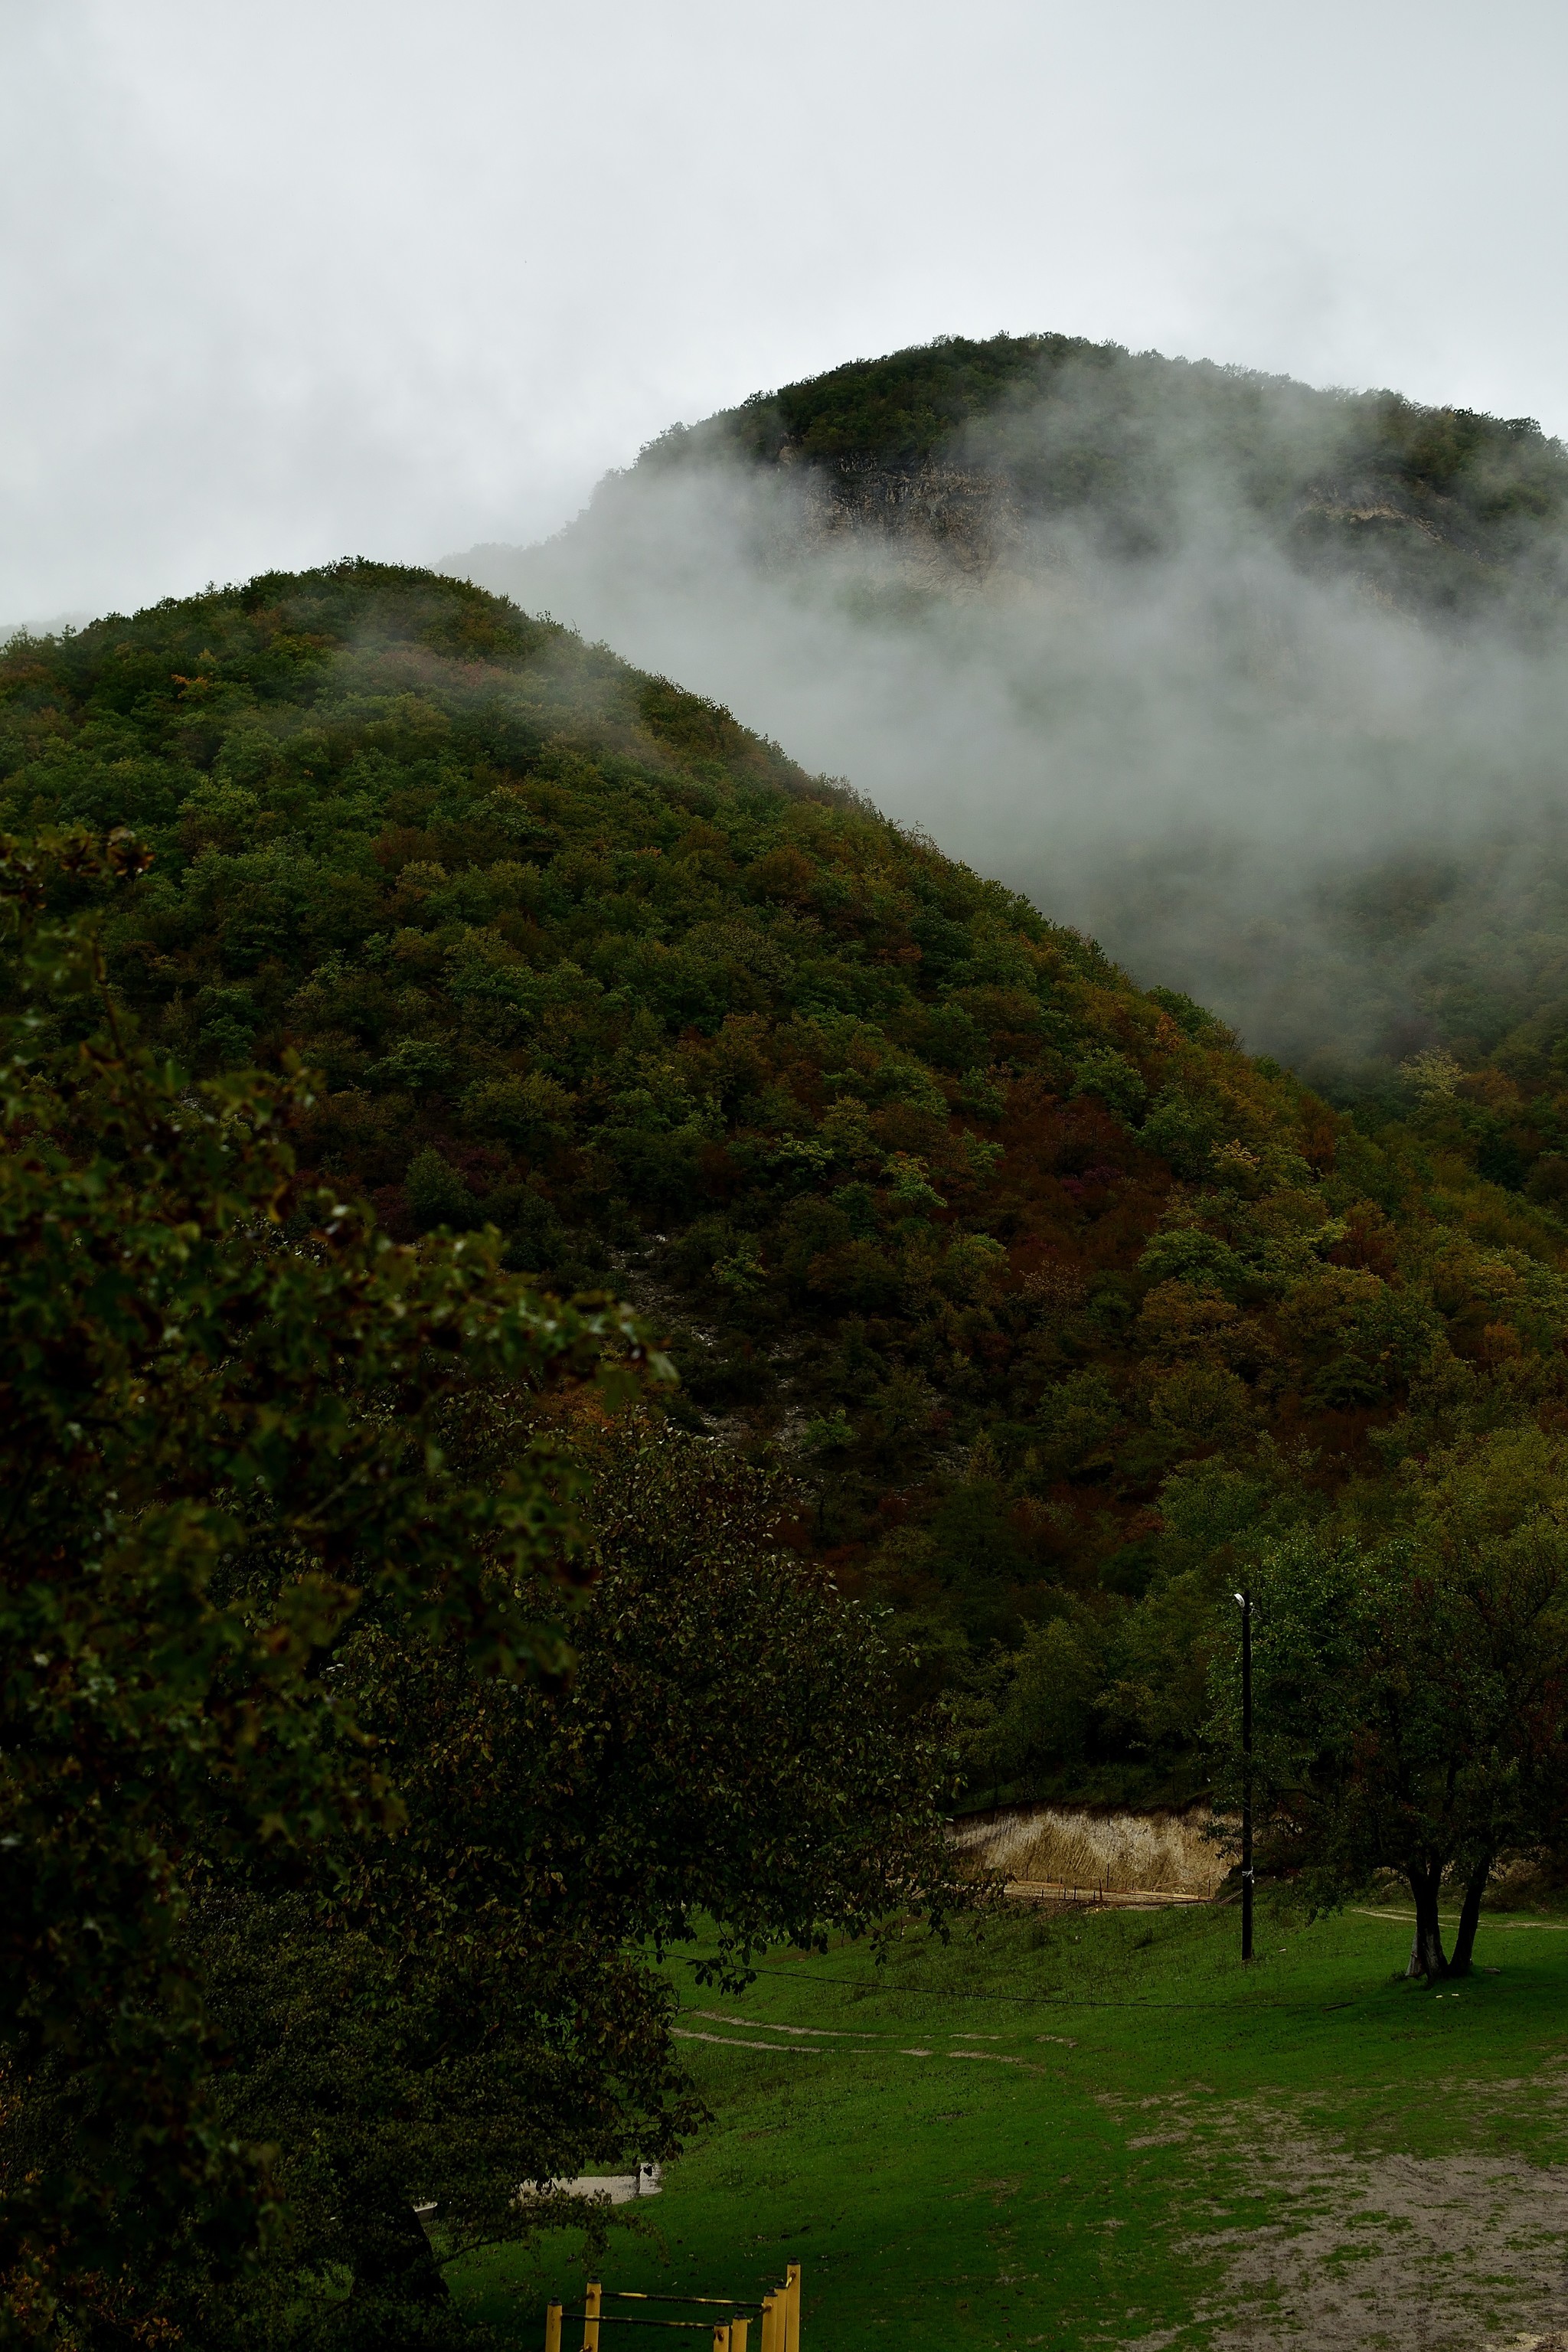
(1095, 2127)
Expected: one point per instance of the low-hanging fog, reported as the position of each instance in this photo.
(1178, 673)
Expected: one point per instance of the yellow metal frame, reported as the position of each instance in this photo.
(779, 2330)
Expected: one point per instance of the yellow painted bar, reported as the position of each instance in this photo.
(739, 2331)
(720, 2337)
(792, 2309)
(553, 2327)
(592, 2293)
(769, 2336)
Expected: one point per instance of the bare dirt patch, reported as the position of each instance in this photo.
(1122, 1852)
(1390, 2253)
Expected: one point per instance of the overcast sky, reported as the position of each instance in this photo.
(284, 281)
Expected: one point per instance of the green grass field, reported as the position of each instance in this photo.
(1093, 2128)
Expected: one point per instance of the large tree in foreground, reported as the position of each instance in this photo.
(479, 2003)
(222, 1403)
(1411, 1692)
(333, 1878)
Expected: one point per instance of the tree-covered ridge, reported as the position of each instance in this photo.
(898, 410)
(1020, 1266)
(1441, 507)
(907, 406)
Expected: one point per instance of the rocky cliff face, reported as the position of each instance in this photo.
(948, 525)
(943, 518)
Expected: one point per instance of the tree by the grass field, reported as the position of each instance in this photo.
(479, 2003)
(221, 1397)
(1411, 1690)
(327, 1876)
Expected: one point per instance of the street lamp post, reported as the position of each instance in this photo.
(1246, 1600)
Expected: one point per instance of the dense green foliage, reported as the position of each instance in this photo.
(479, 2007)
(1505, 1114)
(330, 1865)
(902, 409)
(1410, 1680)
(217, 1450)
(1049, 1292)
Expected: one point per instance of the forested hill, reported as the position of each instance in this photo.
(1044, 1290)
(1442, 510)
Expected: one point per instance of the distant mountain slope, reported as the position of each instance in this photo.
(1441, 510)
(1263, 685)
(1016, 1263)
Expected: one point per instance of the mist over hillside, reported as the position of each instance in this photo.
(1261, 685)
(1040, 1288)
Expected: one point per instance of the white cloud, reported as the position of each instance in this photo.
(280, 282)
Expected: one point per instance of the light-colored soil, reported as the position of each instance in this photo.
(1120, 1852)
(1061, 1890)
(1374, 2253)
(1412, 2255)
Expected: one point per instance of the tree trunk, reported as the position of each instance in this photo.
(1469, 1917)
(391, 2254)
(1426, 1952)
